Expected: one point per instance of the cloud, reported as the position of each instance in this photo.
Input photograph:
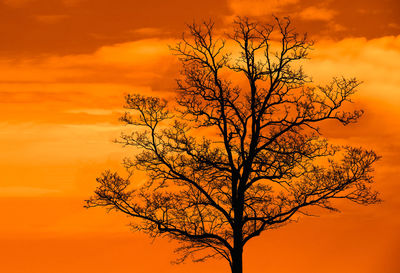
(147, 58)
(83, 81)
(34, 143)
(258, 7)
(63, 108)
(17, 3)
(95, 112)
(317, 14)
(148, 31)
(56, 160)
(61, 112)
(71, 3)
(25, 191)
(394, 25)
(375, 62)
(51, 19)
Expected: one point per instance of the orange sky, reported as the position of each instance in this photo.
(65, 66)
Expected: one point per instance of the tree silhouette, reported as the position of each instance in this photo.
(230, 160)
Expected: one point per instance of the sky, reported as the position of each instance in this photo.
(65, 66)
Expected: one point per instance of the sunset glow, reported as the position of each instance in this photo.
(65, 66)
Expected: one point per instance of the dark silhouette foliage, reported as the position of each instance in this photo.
(228, 161)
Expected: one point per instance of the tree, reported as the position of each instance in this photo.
(230, 160)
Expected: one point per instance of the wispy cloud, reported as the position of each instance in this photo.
(148, 31)
(317, 14)
(25, 191)
(258, 7)
(17, 3)
(51, 19)
(96, 112)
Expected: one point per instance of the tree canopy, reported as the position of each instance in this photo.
(232, 158)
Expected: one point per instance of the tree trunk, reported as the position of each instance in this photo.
(237, 253)
(237, 261)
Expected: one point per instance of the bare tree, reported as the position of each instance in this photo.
(230, 161)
